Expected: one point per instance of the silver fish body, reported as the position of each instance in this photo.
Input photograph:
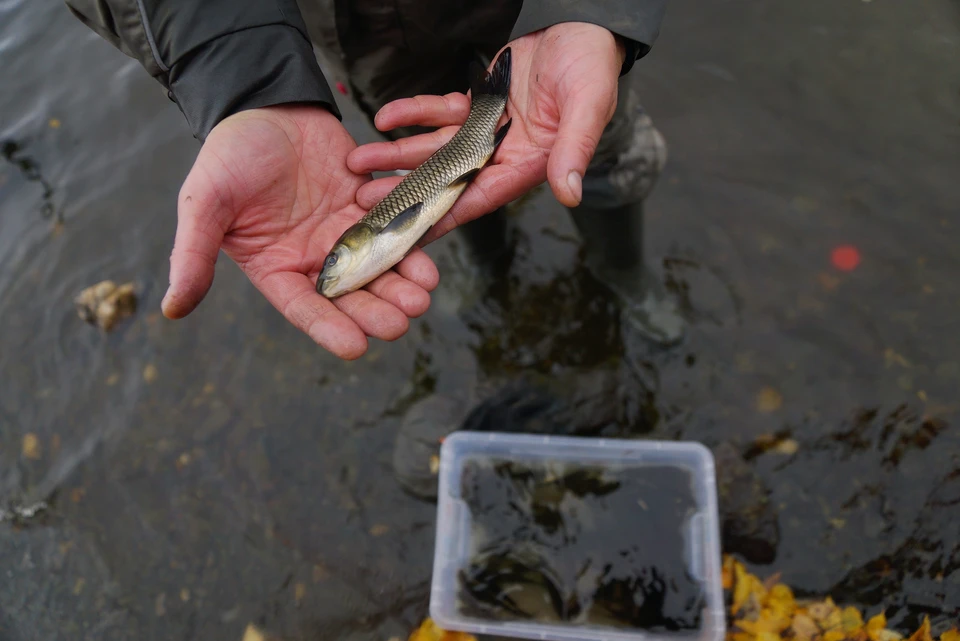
(389, 231)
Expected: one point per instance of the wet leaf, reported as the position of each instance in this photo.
(31, 446)
(852, 621)
(54, 123)
(804, 627)
(951, 635)
(428, 631)
(299, 591)
(923, 634)
(875, 625)
(767, 611)
(150, 373)
(769, 400)
(253, 634)
(379, 529)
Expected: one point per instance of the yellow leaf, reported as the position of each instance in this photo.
(826, 614)
(876, 624)
(726, 576)
(769, 400)
(768, 636)
(428, 631)
(31, 446)
(951, 635)
(747, 588)
(834, 635)
(923, 634)
(804, 627)
(851, 619)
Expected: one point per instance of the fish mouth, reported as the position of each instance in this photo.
(327, 285)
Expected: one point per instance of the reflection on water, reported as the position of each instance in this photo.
(221, 470)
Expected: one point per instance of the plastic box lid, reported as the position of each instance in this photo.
(453, 536)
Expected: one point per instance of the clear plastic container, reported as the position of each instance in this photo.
(604, 524)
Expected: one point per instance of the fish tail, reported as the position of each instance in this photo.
(495, 82)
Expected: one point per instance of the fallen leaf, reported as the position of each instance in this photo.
(150, 373)
(299, 591)
(876, 623)
(184, 595)
(428, 631)
(253, 634)
(54, 123)
(769, 400)
(379, 529)
(852, 621)
(787, 447)
(31, 446)
(804, 627)
(726, 577)
(923, 633)
(828, 281)
(951, 635)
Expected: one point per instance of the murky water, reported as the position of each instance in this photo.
(222, 470)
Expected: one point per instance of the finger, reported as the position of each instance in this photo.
(194, 256)
(404, 295)
(372, 192)
(419, 269)
(406, 153)
(375, 316)
(582, 120)
(424, 111)
(295, 296)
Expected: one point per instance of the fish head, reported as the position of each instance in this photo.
(344, 266)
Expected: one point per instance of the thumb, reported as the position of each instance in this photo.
(195, 250)
(583, 118)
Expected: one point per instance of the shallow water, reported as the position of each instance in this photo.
(221, 470)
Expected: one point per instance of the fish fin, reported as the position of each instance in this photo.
(465, 178)
(495, 82)
(404, 218)
(501, 133)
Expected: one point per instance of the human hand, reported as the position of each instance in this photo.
(272, 189)
(563, 92)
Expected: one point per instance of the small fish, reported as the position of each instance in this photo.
(390, 231)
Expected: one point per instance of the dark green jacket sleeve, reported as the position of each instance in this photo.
(637, 22)
(215, 57)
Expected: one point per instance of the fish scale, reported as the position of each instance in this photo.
(468, 148)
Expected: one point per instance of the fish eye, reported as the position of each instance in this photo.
(332, 260)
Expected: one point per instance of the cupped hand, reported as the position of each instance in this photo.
(563, 92)
(272, 189)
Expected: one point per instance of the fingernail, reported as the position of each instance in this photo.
(576, 185)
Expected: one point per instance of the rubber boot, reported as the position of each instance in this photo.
(613, 239)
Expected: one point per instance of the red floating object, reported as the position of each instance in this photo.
(342, 88)
(845, 257)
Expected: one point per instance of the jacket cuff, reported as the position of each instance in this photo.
(257, 67)
(639, 29)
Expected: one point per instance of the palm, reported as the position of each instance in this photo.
(271, 188)
(563, 92)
